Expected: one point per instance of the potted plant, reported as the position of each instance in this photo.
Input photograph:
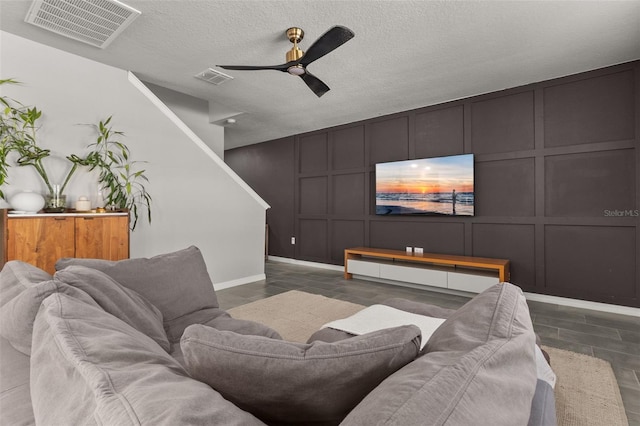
(117, 173)
(124, 185)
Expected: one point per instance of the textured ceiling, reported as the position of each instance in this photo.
(405, 55)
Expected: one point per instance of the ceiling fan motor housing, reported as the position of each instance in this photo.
(295, 35)
(294, 54)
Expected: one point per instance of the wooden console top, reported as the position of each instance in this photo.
(500, 265)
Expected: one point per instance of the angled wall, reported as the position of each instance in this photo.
(197, 199)
(194, 112)
(557, 181)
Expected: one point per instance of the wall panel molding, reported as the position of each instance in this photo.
(503, 123)
(592, 109)
(557, 183)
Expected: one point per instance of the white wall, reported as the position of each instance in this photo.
(194, 113)
(197, 199)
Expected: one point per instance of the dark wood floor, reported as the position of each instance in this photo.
(612, 337)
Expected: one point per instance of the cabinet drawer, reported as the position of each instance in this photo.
(474, 283)
(361, 267)
(415, 275)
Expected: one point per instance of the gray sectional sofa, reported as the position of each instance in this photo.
(143, 341)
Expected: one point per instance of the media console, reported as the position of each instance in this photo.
(465, 273)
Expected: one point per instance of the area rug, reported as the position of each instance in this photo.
(296, 315)
(587, 392)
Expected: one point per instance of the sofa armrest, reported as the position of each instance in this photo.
(543, 406)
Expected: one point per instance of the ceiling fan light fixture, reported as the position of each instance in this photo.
(296, 70)
(298, 61)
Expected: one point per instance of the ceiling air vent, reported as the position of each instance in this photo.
(95, 22)
(214, 77)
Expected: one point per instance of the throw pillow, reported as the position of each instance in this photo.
(218, 319)
(89, 367)
(226, 322)
(117, 300)
(176, 283)
(480, 357)
(16, 276)
(289, 382)
(18, 315)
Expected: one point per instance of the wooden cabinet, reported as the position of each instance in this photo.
(465, 273)
(42, 239)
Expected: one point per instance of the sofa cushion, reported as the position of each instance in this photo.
(175, 327)
(226, 322)
(16, 276)
(117, 300)
(479, 368)
(176, 283)
(17, 316)
(220, 319)
(289, 382)
(15, 399)
(88, 367)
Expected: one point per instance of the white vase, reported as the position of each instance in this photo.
(27, 201)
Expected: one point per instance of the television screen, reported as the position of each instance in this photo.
(429, 186)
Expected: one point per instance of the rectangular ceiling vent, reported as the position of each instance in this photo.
(214, 77)
(95, 22)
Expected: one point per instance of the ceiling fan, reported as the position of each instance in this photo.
(297, 60)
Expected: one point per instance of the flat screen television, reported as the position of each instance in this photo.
(438, 186)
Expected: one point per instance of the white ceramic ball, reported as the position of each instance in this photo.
(27, 201)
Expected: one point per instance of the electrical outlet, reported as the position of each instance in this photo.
(293, 240)
(418, 250)
(409, 249)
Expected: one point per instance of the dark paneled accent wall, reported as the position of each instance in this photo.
(269, 169)
(557, 168)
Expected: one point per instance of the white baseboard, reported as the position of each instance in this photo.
(555, 300)
(306, 263)
(584, 304)
(239, 281)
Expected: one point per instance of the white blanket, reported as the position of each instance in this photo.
(378, 317)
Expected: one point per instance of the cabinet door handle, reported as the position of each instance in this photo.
(59, 218)
(88, 218)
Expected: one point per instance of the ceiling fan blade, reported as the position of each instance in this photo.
(282, 67)
(315, 84)
(332, 39)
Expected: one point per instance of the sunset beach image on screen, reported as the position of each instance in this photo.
(429, 186)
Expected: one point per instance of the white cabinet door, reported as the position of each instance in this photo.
(414, 275)
(361, 267)
(474, 283)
